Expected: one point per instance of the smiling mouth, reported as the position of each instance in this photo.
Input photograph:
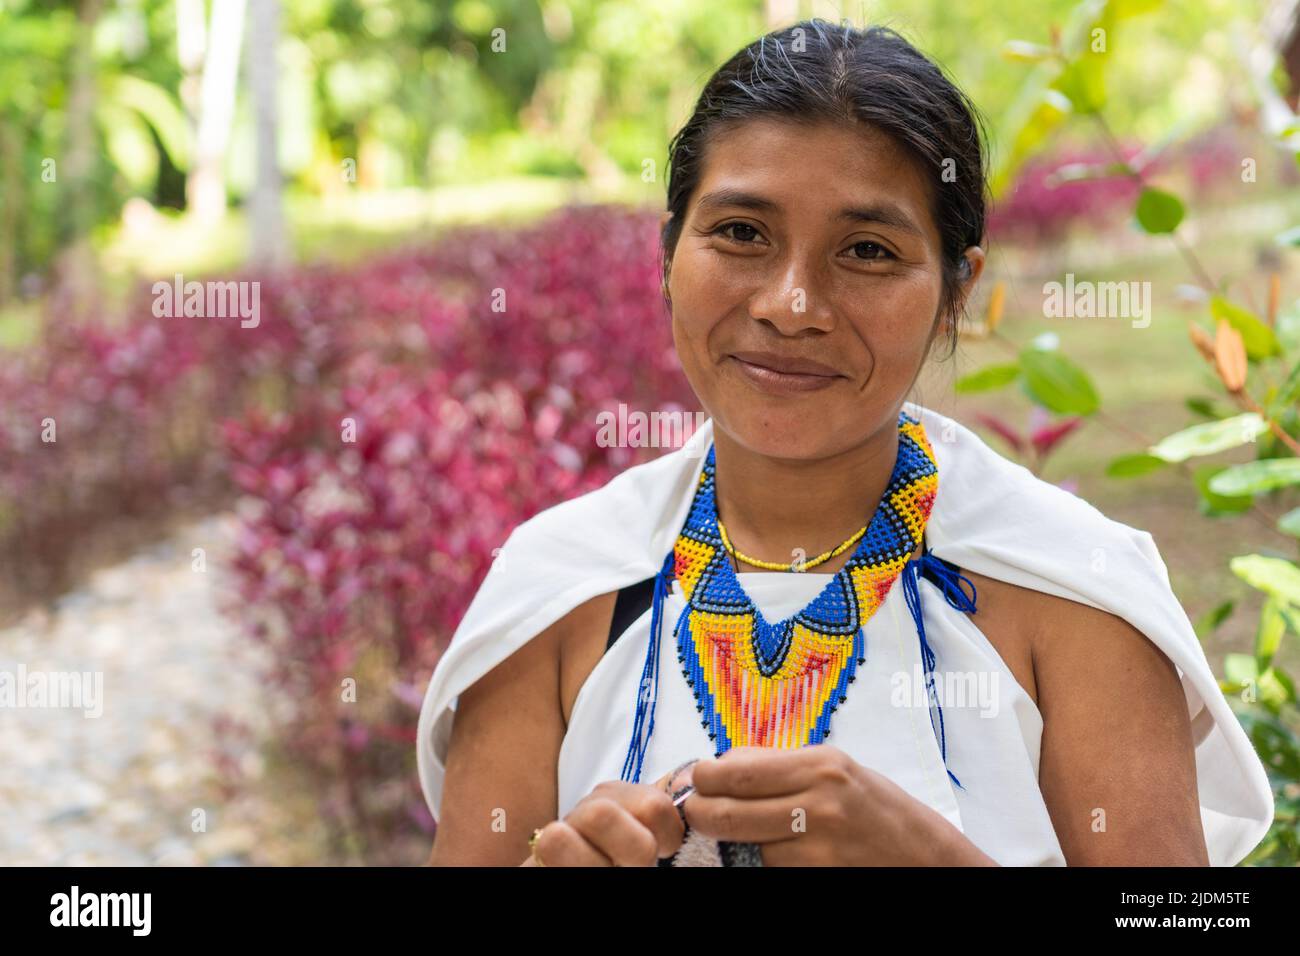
(775, 381)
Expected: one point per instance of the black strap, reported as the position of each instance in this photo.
(930, 574)
(631, 603)
(635, 599)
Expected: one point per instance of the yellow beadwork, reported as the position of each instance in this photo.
(794, 565)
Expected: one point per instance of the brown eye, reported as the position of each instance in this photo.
(874, 250)
(723, 231)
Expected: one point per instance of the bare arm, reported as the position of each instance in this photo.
(505, 741)
(1117, 769)
(501, 781)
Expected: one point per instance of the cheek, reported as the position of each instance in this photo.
(703, 295)
(892, 318)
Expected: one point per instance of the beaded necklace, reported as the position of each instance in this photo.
(778, 684)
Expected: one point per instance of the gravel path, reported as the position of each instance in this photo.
(137, 785)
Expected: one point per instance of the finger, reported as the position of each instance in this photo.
(614, 831)
(560, 844)
(678, 777)
(759, 820)
(655, 810)
(753, 772)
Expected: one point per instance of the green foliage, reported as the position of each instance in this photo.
(1209, 438)
(1068, 78)
(1211, 504)
(1256, 476)
(988, 378)
(1259, 339)
(1158, 211)
(1056, 383)
(1130, 466)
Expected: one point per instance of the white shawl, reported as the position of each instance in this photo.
(990, 516)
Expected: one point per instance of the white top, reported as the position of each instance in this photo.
(990, 516)
(992, 730)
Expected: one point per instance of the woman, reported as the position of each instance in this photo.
(1007, 675)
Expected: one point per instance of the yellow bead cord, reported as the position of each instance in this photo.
(774, 566)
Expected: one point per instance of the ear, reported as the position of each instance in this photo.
(974, 268)
(663, 220)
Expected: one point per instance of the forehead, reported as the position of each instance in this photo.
(815, 169)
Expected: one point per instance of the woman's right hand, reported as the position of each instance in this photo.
(617, 824)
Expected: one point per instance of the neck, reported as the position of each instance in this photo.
(772, 507)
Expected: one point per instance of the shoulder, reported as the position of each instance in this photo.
(1047, 640)
(1099, 655)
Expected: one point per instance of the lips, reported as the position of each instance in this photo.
(765, 371)
(788, 365)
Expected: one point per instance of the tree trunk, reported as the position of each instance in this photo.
(205, 190)
(76, 267)
(267, 240)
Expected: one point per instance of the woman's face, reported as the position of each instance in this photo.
(812, 245)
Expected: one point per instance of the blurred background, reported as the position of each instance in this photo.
(305, 304)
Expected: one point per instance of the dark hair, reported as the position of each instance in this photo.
(816, 71)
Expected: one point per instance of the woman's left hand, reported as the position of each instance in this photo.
(816, 806)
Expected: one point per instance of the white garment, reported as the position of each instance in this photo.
(990, 516)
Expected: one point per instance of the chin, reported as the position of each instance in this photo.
(796, 431)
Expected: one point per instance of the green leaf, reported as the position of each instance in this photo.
(129, 145)
(1056, 383)
(1290, 237)
(1203, 407)
(1208, 438)
(159, 109)
(1259, 339)
(1214, 505)
(1289, 523)
(1268, 635)
(1158, 211)
(1034, 116)
(1130, 466)
(1251, 478)
(988, 378)
(1240, 668)
(1275, 688)
(1210, 620)
(1083, 82)
(1274, 576)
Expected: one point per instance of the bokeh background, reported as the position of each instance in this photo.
(262, 534)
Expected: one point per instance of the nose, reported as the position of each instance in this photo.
(791, 296)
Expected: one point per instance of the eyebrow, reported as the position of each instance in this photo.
(884, 213)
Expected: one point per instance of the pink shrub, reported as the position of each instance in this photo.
(378, 504)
